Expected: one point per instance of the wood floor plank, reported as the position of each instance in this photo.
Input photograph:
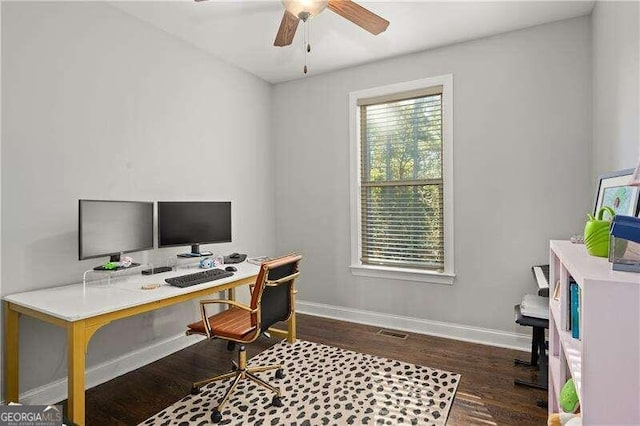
(486, 394)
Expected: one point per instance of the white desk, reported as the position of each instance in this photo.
(82, 310)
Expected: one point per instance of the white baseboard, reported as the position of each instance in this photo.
(101, 373)
(466, 333)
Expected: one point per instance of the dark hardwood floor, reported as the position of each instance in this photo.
(486, 394)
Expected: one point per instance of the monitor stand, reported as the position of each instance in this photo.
(195, 252)
(115, 258)
(117, 268)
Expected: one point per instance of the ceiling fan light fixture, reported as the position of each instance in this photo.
(304, 9)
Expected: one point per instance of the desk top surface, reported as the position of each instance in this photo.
(77, 301)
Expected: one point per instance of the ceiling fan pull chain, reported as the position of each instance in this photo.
(305, 41)
(309, 38)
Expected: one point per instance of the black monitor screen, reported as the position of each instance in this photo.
(111, 227)
(183, 223)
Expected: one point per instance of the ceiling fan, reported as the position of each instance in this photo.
(296, 10)
(302, 10)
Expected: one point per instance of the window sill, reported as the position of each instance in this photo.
(405, 274)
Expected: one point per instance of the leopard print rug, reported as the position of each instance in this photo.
(325, 386)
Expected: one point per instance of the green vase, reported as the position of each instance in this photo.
(596, 233)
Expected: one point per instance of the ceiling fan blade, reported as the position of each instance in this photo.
(359, 16)
(287, 29)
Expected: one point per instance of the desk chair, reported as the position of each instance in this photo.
(272, 298)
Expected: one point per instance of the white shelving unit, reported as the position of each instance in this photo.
(605, 362)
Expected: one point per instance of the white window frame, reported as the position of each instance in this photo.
(397, 273)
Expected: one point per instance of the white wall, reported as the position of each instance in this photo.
(1, 308)
(97, 104)
(522, 138)
(616, 85)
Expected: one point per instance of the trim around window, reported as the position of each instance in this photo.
(397, 273)
(404, 274)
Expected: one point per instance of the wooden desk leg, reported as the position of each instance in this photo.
(12, 354)
(231, 293)
(291, 324)
(76, 346)
(291, 335)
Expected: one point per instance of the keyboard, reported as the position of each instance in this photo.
(542, 275)
(198, 278)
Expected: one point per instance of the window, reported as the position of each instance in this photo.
(401, 181)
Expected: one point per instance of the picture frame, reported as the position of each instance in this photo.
(635, 178)
(614, 191)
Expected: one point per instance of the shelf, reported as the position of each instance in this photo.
(554, 373)
(571, 347)
(554, 308)
(609, 321)
(573, 353)
(583, 267)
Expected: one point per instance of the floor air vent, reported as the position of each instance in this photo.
(394, 334)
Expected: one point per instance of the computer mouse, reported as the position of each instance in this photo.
(231, 269)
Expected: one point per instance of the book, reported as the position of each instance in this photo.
(569, 314)
(575, 310)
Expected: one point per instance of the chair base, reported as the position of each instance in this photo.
(240, 371)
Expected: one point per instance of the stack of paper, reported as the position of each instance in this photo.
(535, 306)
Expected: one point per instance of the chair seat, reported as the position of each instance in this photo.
(234, 323)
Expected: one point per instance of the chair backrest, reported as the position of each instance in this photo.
(272, 290)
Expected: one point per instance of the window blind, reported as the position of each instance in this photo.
(401, 185)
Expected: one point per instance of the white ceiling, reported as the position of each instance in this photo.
(242, 32)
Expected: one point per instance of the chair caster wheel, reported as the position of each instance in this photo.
(231, 346)
(280, 373)
(195, 390)
(276, 401)
(216, 416)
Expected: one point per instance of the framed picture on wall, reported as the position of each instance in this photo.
(614, 191)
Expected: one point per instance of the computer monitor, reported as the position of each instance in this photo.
(182, 223)
(109, 228)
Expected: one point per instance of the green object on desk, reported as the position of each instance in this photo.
(111, 265)
(596, 233)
